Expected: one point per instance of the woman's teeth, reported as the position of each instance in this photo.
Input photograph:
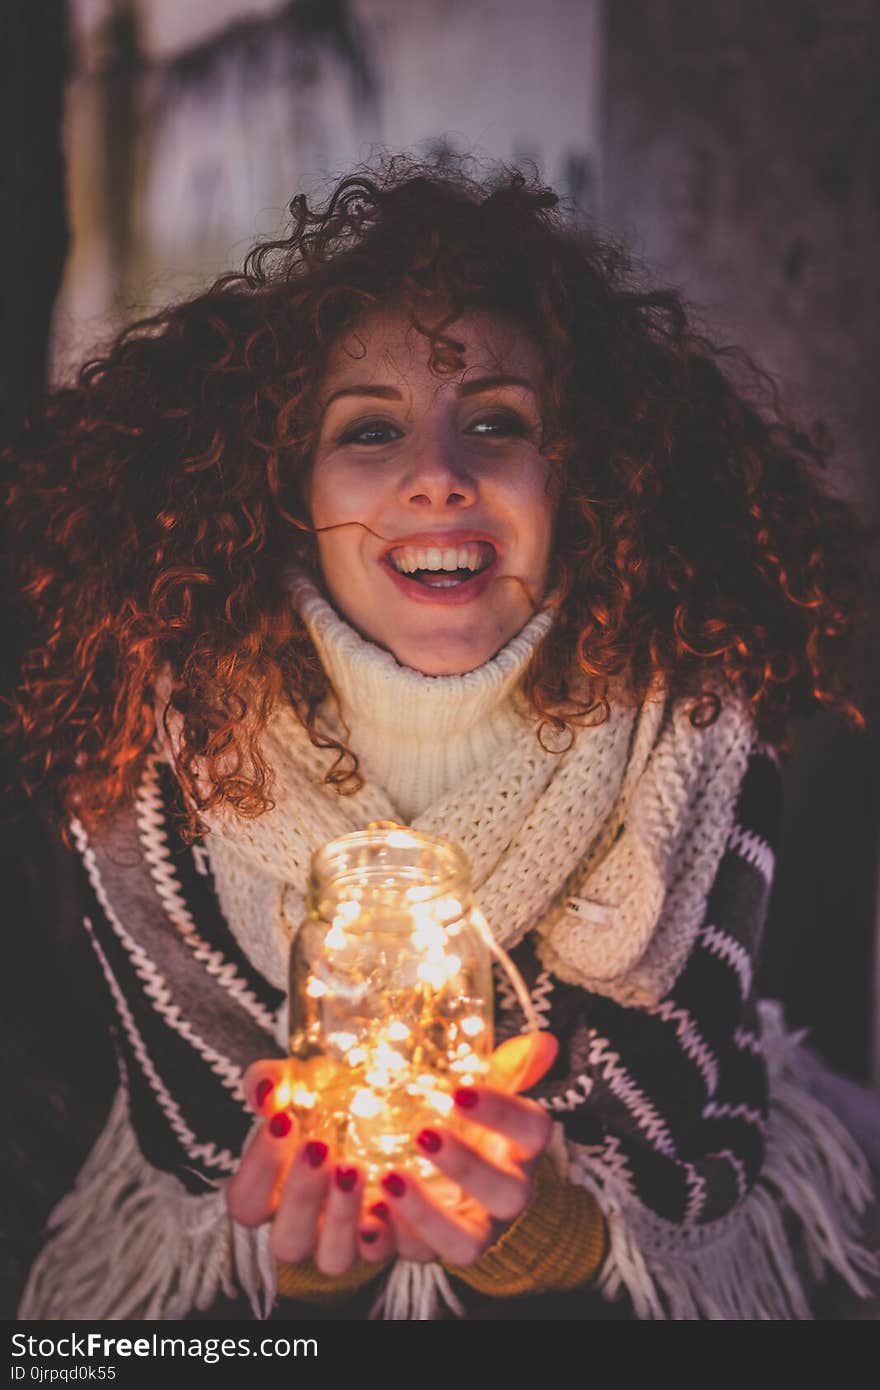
(443, 565)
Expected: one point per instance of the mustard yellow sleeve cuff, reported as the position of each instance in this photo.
(558, 1242)
(305, 1280)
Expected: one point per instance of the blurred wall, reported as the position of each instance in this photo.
(741, 158)
(191, 126)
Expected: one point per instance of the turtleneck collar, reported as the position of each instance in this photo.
(416, 735)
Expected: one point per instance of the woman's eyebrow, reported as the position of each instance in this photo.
(468, 388)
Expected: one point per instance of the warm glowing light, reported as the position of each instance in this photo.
(400, 839)
(336, 938)
(343, 1041)
(304, 1099)
(282, 1094)
(346, 913)
(316, 989)
(397, 1031)
(365, 1104)
(387, 1143)
(453, 965)
(388, 1057)
(472, 1025)
(378, 1078)
(356, 1056)
(428, 935)
(432, 973)
(439, 1101)
(447, 910)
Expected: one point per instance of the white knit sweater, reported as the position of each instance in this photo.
(417, 736)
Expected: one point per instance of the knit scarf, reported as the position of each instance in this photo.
(607, 847)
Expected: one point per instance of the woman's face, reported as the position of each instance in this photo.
(445, 476)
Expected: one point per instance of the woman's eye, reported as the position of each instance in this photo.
(367, 432)
(500, 423)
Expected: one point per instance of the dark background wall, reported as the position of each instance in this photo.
(741, 158)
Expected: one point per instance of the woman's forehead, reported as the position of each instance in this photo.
(387, 342)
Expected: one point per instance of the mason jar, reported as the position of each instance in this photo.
(390, 994)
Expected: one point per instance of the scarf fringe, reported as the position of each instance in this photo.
(415, 1293)
(130, 1242)
(755, 1264)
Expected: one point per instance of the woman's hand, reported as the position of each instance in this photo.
(489, 1157)
(317, 1207)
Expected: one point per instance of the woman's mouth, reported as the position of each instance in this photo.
(454, 571)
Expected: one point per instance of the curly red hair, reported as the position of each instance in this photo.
(153, 503)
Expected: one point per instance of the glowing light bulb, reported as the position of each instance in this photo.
(439, 1101)
(365, 1104)
(346, 913)
(472, 1026)
(303, 1098)
(432, 973)
(344, 1041)
(316, 989)
(401, 839)
(397, 1031)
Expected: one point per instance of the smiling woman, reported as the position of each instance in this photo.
(433, 515)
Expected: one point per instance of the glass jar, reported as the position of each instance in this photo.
(390, 994)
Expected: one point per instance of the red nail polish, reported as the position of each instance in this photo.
(280, 1124)
(316, 1152)
(369, 1237)
(430, 1141)
(465, 1098)
(394, 1184)
(380, 1211)
(265, 1088)
(345, 1178)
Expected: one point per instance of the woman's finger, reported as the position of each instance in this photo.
(266, 1085)
(525, 1123)
(518, 1063)
(252, 1194)
(295, 1228)
(337, 1245)
(376, 1238)
(502, 1189)
(449, 1235)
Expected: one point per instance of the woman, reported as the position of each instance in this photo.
(432, 516)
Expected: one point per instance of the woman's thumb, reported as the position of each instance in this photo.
(518, 1063)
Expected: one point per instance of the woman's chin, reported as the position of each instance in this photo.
(443, 655)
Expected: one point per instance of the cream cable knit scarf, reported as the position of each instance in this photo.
(608, 849)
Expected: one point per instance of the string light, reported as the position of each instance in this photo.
(386, 1017)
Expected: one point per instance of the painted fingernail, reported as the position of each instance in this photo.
(430, 1141)
(280, 1124)
(380, 1211)
(369, 1237)
(465, 1098)
(345, 1178)
(265, 1088)
(394, 1184)
(316, 1152)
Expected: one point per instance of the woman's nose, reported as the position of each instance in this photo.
(438, 476)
